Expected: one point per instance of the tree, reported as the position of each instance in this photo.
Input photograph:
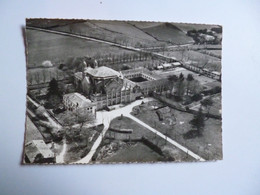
(173, 78)
(83, 118)
(198, 121)
(207, 103)
(53, 88)
(54, 95)
(189, 79)
(180, 86)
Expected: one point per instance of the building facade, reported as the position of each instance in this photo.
(78, 102)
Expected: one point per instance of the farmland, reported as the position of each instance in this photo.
(186, 27)
(165, 32)
(196, 58)
(58, 49)
(203, 80)
(117, 32)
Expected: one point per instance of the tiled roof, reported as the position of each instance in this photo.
(78, 98)
(102, 72)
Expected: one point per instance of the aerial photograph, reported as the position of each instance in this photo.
(102, 91)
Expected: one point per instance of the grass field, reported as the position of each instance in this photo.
(166, 32)
(186, 27)
(137, 151)
(48, 23)
(115, 31)
(31, 132)
(58, 49)
(209, 146)
(203, 80)
(196, 58)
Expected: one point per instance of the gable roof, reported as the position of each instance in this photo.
(79, 99)
(102, 72)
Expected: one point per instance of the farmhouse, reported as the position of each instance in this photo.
(76, 101)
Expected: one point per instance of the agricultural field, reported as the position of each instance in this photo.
(165, 32)
(49, 23)
(203, 80)
(196, 58)
(117, 32)
(44, 46)
(207, 146)
(186, 27)
(216, 53)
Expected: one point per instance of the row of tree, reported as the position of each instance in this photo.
(184, 86)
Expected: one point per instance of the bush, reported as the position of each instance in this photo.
(191, 134)
(196, 97)
(212, 91)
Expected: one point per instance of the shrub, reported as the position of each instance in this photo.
(196, 97)
(191, 134)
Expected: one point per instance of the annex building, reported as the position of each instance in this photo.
(78, 102)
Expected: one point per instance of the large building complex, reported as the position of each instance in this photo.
(106, 87)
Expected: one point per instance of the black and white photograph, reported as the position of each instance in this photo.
(106, 91)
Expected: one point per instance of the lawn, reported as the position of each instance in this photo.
(137, 152)
(116, 148)
(31, 132)
(58, 49)
(127, 123)
(209, 146)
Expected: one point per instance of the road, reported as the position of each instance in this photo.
(60, 157)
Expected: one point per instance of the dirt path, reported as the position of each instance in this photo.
(60, 157)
